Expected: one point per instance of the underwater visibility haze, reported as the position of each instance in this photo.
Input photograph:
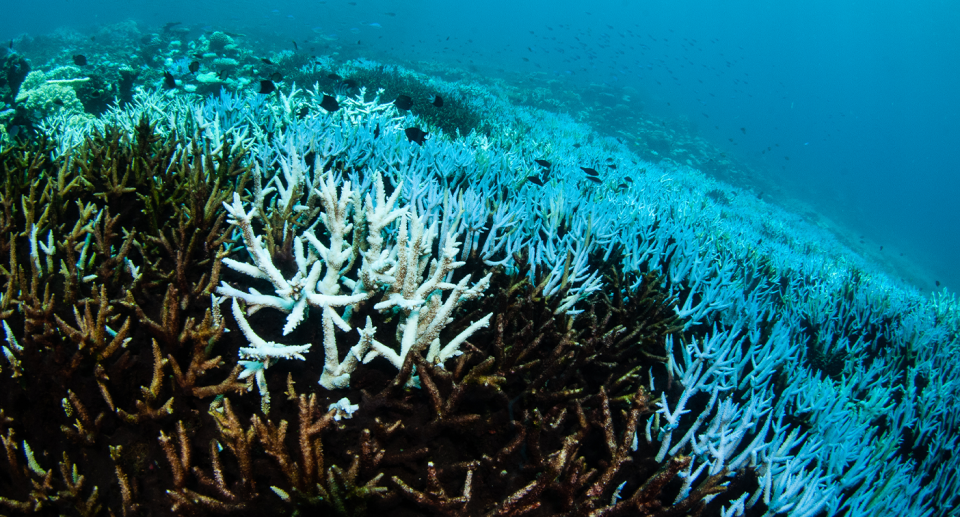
(493, 258)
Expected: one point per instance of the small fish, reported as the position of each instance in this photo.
(266, 60)
(937, 281)
(743, 130)
(415, 134)
(329, 103)
(543, 163)
(403, 102)
(276, 77)
(335, 77)
(376, 131)
(223, 75)
(194, 67)
(267, 86)
(302, 113)
(436, 100)
(295, 47)
(168, 81)
(535, 180)
(594, 179)
(591, 172)
(59, 102)
(80, 60)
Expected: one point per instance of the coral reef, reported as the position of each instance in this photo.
(253, 305)
(218, 41)
(13, 70)
(45, 93)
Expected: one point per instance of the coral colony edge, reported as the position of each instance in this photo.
(314, 300)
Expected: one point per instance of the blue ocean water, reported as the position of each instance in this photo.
(847, 110)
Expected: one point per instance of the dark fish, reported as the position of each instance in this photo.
(349, 83)
(881, 248)
(168, 81)
(335, 77)
(265, 60)
(631, 179)
(170, 25)
(295, 47)
(591, 172)
(594, 179)
(329, 103)
(80, 60)
(436, 100)
(223, 75)
(535, 180)
(622, 186)
(276, 77)
(543, 163)
(376, 131)
(267, 86)
(403, 102)
(59, 102)
(937, 281)
(194, 67)
(576, 146)
(302, 113)
(415, 134)
(743, 130)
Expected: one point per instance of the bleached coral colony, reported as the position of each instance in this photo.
(459, 339)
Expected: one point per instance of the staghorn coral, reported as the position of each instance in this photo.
(115, 250)
(641, 354)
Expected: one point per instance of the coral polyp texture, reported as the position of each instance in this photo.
(255, 305)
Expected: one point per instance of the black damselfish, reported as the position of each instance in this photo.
(267, 86)
(329, 103)
(415, 134)
(403, 102)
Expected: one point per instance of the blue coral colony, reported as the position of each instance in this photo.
(349, 287)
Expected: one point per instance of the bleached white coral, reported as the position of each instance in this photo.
(320, 280)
